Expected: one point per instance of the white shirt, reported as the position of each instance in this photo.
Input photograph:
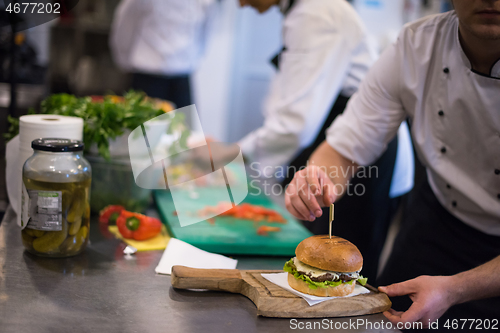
(327, 53)
(455, 116)
(160, 36)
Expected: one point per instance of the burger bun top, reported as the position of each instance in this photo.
(334, 255)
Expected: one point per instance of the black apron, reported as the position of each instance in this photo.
(174, 88)
(434, 242)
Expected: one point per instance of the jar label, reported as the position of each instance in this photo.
(43, 210)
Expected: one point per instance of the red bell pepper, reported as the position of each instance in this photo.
(244, 211)
(137, 226)
(264, 230)
(110, 213)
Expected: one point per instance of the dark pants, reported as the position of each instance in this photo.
(434, 242)
(362, 219)
(176, 89)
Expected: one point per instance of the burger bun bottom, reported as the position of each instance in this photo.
(343, 289)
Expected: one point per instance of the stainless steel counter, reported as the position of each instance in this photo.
(101, 291)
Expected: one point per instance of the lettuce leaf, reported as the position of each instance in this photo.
(290, 268)
(362, 280)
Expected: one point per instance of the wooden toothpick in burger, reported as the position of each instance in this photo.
(331, 219)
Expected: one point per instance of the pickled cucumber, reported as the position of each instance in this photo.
(76, 211)
(34, 233)
(67, 198)
(29, 232)
(78, 206)
(27, 239)
(75, 220)
(75, 226)
(74, 243)
(86, 212)
(51, 241)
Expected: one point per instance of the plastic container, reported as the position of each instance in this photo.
(113, 184)
(55, 202)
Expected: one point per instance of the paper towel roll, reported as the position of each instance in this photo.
(18, 149)
(42, 126)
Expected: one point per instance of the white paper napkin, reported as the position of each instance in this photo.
(281, 279)
(182, 253)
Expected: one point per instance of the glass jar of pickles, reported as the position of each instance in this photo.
(55, 200)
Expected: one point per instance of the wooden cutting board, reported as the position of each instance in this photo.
(273, 301)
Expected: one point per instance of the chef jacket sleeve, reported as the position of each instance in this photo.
(373, 114)
(125, 29)
(319, 47)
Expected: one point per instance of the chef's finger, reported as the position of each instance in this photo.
(300, 206)
(312, 176)
(321, 185)
(392, 317)
(305, 202)
(296, 213)
(296, 202)
(395, 313)
(329, 194)
(414, 313)
(398, 289)
(290, 207)
(310, 201)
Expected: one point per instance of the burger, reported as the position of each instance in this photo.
(325, 267)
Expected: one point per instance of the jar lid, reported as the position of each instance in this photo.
(57, 145)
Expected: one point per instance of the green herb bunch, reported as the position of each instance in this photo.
(105, 118)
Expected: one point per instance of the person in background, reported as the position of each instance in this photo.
(325, 56)
(161, 42)
(444, 74)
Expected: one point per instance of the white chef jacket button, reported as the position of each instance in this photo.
(446, 70)
(497, 172)
(454, 203)
(441, 113)
(448, 186)
(498, 195)
(443, 150)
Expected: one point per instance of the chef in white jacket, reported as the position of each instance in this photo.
(161, 42)
(326, 55)
(444, 74)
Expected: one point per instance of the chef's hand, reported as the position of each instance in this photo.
(431, 296)
(215, 153)
(309, 190)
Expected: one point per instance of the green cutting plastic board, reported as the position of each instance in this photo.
(234, 236)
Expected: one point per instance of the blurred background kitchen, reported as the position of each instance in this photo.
(229, 79)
